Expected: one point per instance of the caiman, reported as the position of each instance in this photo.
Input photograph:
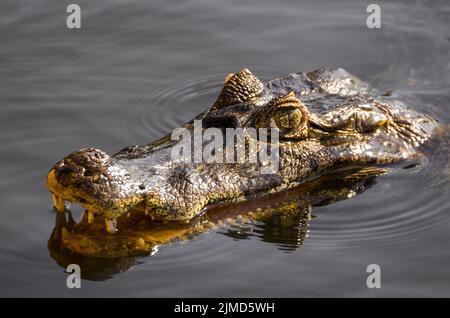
(327, 120)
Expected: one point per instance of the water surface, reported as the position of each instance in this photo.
(138, 69)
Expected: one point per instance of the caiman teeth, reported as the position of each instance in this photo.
(58, 203)
(147, 213)
(90, 216)
(111, 225)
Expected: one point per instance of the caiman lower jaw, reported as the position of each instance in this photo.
(110, 210)
(138, 235)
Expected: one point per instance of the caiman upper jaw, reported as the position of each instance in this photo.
(87, 177)
(108, 187)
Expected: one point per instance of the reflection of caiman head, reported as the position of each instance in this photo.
(326, 119)
(281, 218)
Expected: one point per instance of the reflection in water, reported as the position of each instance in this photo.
(281, 219)
(92, 268)
(287, 231)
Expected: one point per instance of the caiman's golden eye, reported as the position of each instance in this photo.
(288, 114)
(287, 119)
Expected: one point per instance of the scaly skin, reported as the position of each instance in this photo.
(327, 119)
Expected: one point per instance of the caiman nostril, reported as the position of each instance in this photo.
(64, 170)
(87, 173)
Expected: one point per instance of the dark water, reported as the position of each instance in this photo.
(138, 69)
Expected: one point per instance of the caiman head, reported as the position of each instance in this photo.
(312, 123)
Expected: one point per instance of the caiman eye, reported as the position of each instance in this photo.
(288, 114)
(287, 119)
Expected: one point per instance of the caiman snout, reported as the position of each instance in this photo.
(87, 166)
(88, 177)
